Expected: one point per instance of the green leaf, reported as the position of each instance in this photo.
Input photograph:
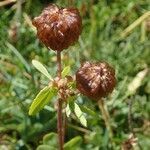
(66, 71)
(45, 147)
(83, 121)
(51, 139)
(50, 142)
(88, 111)
(41, 68)
(77, 110)
(42, 99)
(68, 111)
(80, 115)
(73, 144)
(18, 55)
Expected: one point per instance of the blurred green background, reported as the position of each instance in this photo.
(104, 22)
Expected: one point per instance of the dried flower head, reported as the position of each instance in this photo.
(95, 80)
(58, 28)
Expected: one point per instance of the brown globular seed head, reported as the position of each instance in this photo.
(58, 28)
(95, 80)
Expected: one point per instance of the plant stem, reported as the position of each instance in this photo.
(64, 126)
(18, 16)
(59, 64)
(106, 117)
(59, 124)
(59, 109)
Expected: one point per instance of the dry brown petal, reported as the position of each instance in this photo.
(58, 28)
(95, 80)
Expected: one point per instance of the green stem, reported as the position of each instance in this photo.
(135, 24)
(106, 117)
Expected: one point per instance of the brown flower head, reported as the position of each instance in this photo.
(95, 80)
(58, 28)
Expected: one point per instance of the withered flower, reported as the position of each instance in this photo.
(95, 80)
(58, 28)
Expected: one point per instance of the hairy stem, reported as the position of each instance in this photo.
(59, 109)
(106, 117)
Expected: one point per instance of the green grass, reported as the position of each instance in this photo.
(103, 23)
